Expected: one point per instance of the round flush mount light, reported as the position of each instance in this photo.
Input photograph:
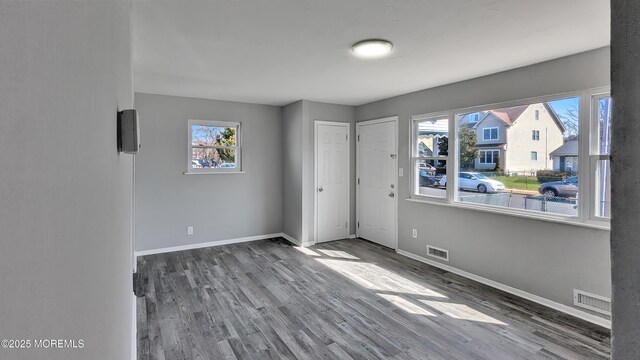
(372, 48)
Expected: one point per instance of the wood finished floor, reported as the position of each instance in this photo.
(346, 299)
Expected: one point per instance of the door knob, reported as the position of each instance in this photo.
(320, 189)
(391, 194)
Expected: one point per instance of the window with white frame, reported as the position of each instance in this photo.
(600, 155)
(490, 133)
(214, 146)
(429, 154)
(535, 135)
(527, 181)
(542, 180)
(489, 156)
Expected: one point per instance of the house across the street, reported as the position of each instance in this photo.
(521, 136)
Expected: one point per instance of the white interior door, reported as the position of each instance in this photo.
(377, 181)
(332, 181)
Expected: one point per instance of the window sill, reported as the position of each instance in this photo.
(212, 172)
(593, 224)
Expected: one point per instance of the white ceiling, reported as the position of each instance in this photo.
(279, 51)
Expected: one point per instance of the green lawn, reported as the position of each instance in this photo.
(519, 182)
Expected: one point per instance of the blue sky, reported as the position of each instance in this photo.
(561, 106)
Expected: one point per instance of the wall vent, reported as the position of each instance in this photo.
(592, 302)
(435, 252)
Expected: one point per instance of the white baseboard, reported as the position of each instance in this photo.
(511, 290)
(208, 244)
(291, 239)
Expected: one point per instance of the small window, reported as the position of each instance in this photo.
(535, 135)
(490, 133)
(537, 114)
(214, 146)
(430, 153)
(601, 155)
(534, 155)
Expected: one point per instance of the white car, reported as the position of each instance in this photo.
(475, 181)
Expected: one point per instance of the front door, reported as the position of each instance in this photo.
(332, 181)
(377, 181)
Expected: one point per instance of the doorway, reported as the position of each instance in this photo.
(377, 169)
(332, 180)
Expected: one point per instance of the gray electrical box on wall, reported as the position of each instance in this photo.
(128, 131)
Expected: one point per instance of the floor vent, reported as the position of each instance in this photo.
(592, 302)
(435, 252)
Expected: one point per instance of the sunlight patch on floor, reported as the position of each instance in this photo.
(338, 254)
(406, 305)
(461, 312)
(306, 251)
(374, 277)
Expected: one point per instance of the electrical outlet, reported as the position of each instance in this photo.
(415, 233)
(189, 230)
(401, 172)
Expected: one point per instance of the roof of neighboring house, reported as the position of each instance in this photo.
(570, 148)
(434, 128)
(484, 145)
(511, 114)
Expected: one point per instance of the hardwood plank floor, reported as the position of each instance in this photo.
(347, 299)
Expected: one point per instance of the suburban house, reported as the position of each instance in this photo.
(521, 136)
(565, 158)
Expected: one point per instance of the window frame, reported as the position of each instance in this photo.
(414, 156)
(237, 148)
(535, 135)
(493, 157)
(594, 155)
(491, 128)
(534, 154)
(585, 216)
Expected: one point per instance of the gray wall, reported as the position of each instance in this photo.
(65, 192)
(543, 258)
(298, 159)
(220, 206)
(292, 120)
(625, 172)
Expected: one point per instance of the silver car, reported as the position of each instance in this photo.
(476, 181)
(566, 188)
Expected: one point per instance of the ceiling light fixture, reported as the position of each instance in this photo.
(372, 48)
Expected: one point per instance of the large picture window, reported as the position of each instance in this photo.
(213, 147)
(548, 157)
(524, 174)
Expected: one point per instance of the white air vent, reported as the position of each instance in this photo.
(592, 302)
(435, 252)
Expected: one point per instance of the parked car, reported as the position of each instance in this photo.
(195, 164)
(565, 188)
(428, 168)
(228, 165)
(428, 179)
(475, 181)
